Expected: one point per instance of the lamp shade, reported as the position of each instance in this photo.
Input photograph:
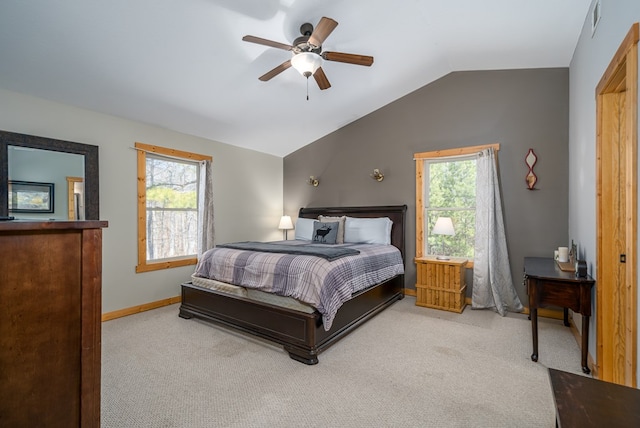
(285, 223)
(306, 63)
(444, 226)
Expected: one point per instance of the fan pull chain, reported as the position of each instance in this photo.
(307, 88)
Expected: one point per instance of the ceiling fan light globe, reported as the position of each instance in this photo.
(306, 63)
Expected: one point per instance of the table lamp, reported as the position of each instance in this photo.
(444, 226)
(285, 224)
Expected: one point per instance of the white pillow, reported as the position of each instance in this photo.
(368, 230)
(304, 228)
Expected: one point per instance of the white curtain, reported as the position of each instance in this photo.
(492, 284)
(206, 233)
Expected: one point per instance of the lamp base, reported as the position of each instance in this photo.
(443, 258)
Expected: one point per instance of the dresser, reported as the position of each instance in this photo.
(50, 314)
(441, 283)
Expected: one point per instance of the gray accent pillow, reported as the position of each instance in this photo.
(325, 233)
(341, 220)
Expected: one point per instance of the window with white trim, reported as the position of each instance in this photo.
(171, 208)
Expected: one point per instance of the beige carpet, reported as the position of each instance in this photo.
(408, 367)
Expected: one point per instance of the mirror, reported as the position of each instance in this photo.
(39, 181)
(89, 153)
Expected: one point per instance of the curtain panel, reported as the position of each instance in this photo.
(206, 232)
(492, 282)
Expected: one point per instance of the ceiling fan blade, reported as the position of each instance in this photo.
(321, 79)
(348, 58)
(322, 31)
(273, 73)
(270, 43)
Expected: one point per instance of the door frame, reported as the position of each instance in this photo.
(620, 77)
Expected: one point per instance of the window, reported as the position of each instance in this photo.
(450, 191)
(446, 187)
(168, 189)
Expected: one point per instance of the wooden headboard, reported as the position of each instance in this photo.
(395, 212)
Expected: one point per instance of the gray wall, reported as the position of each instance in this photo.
(520, 109)
(591, 58)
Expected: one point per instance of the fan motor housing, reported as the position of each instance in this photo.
(301, 44)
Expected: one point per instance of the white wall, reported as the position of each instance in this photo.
(591, 58)
(247, 191)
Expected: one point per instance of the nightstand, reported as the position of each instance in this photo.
(441, 283)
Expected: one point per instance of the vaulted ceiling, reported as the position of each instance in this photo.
(182, 64)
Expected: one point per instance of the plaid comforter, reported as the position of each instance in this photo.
(323, 284)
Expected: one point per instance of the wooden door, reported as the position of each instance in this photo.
(616, 151)
(75, 211)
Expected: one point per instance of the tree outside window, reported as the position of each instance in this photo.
(450, 191)
(172, 208)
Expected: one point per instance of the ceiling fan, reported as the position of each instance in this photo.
(307, 53)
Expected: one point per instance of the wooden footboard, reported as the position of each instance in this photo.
(301, 334)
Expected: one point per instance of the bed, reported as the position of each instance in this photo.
(301, 331)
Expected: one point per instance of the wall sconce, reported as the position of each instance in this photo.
(377, 175)
(312, 181)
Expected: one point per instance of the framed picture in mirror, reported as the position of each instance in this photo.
(30, 197)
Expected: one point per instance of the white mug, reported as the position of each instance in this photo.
(563, 254)
(555, 254)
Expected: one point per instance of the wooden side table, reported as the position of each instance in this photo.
(441, 283)
(547, 284)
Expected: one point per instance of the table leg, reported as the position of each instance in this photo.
(566, 317)
(585, 344)
(534, 331)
